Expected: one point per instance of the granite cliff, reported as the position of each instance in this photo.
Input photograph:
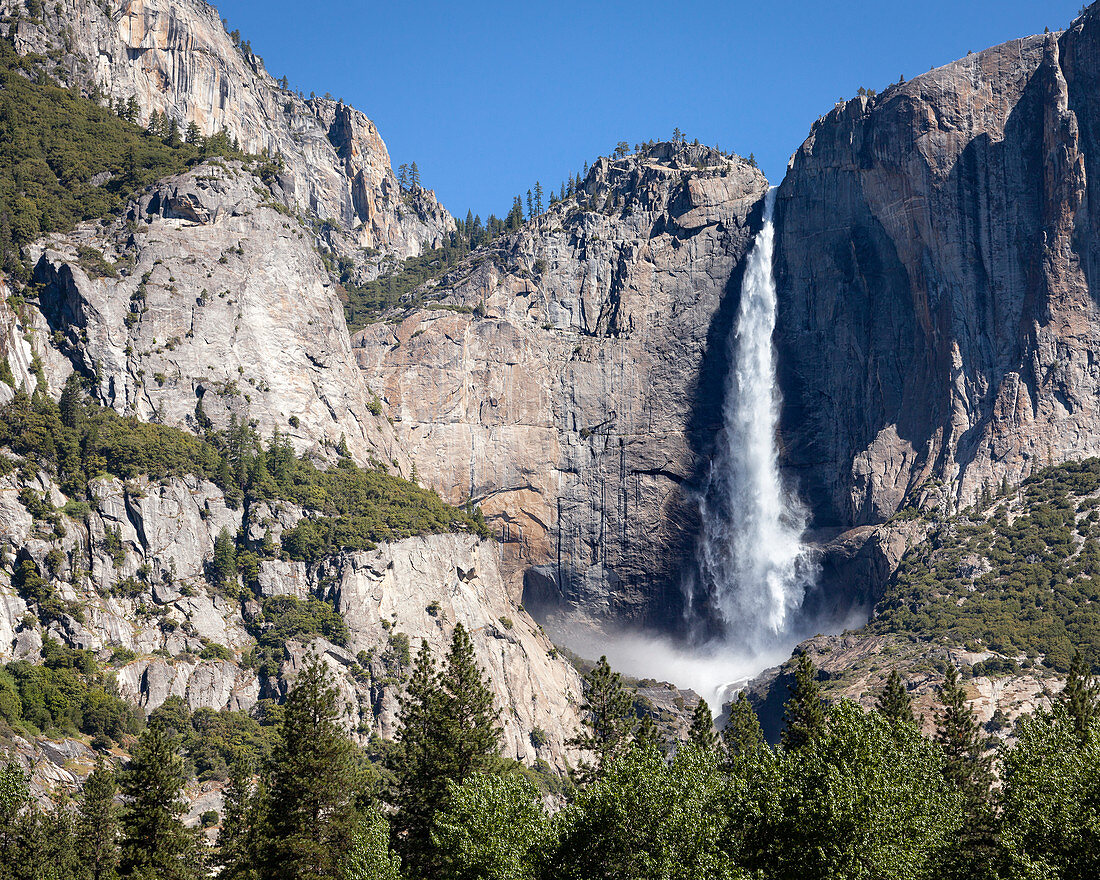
(569, 379)
(176, 59)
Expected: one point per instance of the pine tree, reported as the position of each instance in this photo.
(224, 566)
(702, 733)
(471, 732)
(414, 176)
(97, 823)
(530, 205)
(894, 700)
(403, 175)
(71, 404)
(315, 780)
(538, 198)
(958, 734)
(968, 769)
(1081, 696)
(448, 731)
(742, 734)
(239, 839)
(155, 842)
(415, 786)
(194, 136)
(648, 736)
(608, 712)
(804, 713)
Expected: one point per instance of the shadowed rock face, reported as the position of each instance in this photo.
(175, 58)
(573, 383)
(936, 321)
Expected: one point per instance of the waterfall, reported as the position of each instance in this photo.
(752, 565)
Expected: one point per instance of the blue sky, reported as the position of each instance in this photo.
(488, 97)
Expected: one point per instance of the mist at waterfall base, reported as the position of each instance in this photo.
(753, 569)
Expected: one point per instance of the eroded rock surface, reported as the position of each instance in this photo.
(175, 58)
(570, 379)
(212, 294)
(937, 320)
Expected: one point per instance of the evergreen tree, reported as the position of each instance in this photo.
(224, 567)
(416, 788)
(538, 198)
(894, 700)
(1080, 695)
(742, 734)
(804, 713)
(958, 734)
(647, 736)
(702, 732)
(155, 842)
(608, 713)
(194, 136)
(315, 780)
(414, 176)
(403, 175)
(97, 823)
(530, 205)
(967, 769)
(448, 731)
(71, 404)
(471, 730)
(240, 836)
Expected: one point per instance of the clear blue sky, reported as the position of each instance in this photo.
(487, 97)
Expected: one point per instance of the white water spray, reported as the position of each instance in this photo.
(752, 563)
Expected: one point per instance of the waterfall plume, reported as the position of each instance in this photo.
(753, 568)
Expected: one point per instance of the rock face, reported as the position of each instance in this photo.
(175, 58)
(150, 595)
(211, 294)
(935, 252)
(570, 379)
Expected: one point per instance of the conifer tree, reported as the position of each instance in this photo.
(240, 836)
(315, 780)
(742, 734)
(538, 198)
(155, 842)
(448, 730)
(804, 712)
(403, 175)
(71, 404)
(97, 823)
(224, 566)
(1080, 695)
(608, 713)
(702, 732)
(415, 785)
(648, 736)
(958, 734)
(530, 205)
(894, 700)
(194, 136)
(472, 732)
(414, 176)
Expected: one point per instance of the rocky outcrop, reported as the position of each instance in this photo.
(208, 292)
(937, 323)
(570, 378)
(145, 590)
(175, 58)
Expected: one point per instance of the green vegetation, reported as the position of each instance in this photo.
(865, 796)
(351, 508)
(64, 158)
(1018, 577)
(66, 695)
(365, 303)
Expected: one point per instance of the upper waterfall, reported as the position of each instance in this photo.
(752, 565)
